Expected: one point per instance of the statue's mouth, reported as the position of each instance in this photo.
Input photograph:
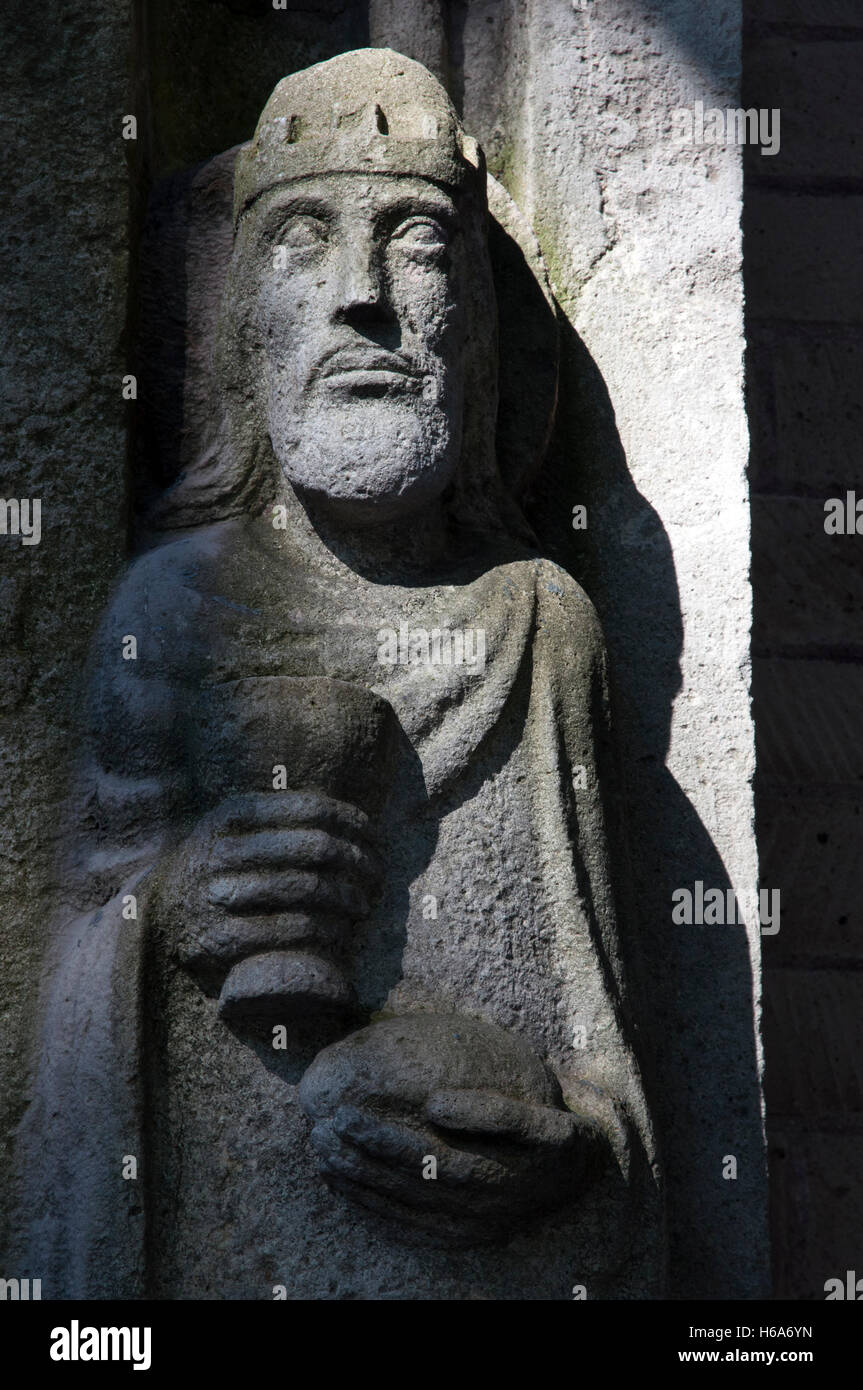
(368, 371)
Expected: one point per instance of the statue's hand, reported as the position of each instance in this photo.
(262, 872)
(476, 1100)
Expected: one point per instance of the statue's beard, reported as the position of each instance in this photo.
(366, 459)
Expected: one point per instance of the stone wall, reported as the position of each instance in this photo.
(803, 225)
(69, 182)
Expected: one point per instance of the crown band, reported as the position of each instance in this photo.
(367, 112)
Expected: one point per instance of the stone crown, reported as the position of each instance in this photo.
(370, 111)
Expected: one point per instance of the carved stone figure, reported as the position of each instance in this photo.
(340, 964)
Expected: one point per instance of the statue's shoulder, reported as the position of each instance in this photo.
(173, 574)
(161, 595)
(565, 614)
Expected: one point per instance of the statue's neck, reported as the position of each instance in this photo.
(389, 552)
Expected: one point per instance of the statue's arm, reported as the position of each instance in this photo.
(573, 667)
(215, 875)
(79, 1224)
(129, 785)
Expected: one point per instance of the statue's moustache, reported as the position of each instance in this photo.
(363, 358)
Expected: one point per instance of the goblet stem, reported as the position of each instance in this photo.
(276, 987)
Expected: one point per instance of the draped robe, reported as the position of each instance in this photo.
(503, 817)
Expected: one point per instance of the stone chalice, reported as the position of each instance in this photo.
(275, 942)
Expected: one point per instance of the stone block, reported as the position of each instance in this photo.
(805, 408)
(809, 850)
(817, 90)
(844, 14)
(813, 1042)
(807, 719)
(802, 254)
(808, 585)
(816, 1203)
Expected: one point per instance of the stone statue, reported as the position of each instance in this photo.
(336, 1006)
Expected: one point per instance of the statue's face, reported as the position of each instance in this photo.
(361, 328)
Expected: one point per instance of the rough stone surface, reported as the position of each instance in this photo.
(808, 843)
(653, 441)
(64, 235)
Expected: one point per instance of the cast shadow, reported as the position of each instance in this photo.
(691, 986)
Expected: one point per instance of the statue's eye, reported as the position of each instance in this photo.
(303, 232)
(420, 234)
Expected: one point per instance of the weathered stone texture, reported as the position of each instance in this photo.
(64, 234)
(802, 256)
(807, 416)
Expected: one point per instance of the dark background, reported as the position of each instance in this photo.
(803, 243)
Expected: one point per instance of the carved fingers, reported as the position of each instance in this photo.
(485, 1112)
(378, 1161)
(450, 1120)
(290, 851)
(493, 1159)
(251, 811)
(264, 871)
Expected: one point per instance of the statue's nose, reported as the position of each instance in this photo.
(362, 293)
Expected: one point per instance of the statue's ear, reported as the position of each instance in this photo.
(528, 341)
(185, 472)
